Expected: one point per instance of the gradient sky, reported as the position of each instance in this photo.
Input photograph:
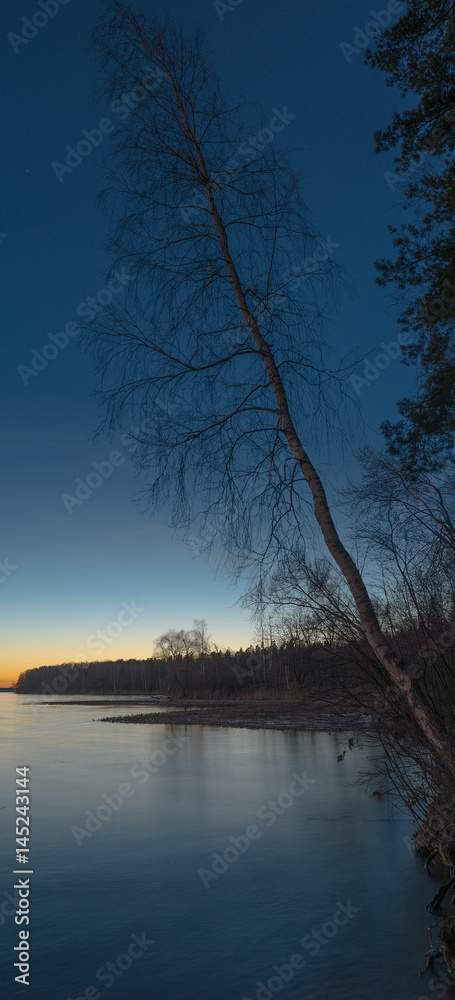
(72, 572)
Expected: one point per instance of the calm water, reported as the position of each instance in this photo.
(137, 874)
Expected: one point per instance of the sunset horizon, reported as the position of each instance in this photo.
(227, 575)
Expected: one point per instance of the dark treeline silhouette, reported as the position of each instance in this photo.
(290, 669)
(286, 669)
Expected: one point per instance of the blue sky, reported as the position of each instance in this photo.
(73, 570)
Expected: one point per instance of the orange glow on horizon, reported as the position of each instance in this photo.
(17, 661)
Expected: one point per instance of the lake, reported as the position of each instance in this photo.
(205, 863)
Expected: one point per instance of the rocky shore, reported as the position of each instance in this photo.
(253, 715)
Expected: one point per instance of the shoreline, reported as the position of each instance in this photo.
(332, 712)
(287, 716)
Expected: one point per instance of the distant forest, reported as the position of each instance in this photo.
(187, 665)
(288, 668)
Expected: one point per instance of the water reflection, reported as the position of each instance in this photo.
(135, 870)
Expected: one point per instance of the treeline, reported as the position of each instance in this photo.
(286, 668)
(289, 668)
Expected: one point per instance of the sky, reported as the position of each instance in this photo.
(66, 574)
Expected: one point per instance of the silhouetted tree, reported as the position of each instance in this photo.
(417, 55)
(220, 315)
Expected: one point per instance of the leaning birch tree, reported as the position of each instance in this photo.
(216, 347)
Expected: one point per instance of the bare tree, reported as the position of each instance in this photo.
(221, 316)
(202, 642)
(409, 527)
(405, 525)
(201, 638)
(170, 644)
(178, 647)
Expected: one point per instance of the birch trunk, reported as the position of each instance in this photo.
(379, 643)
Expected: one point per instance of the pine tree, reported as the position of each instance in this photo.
(417, 55)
